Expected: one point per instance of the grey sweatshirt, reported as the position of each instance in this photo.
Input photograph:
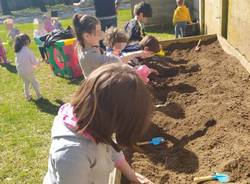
(77, 159)
(90, 59)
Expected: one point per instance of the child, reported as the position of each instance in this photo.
(88, 33)
(135, 27)
(12, 31)
(38, 33)
(110, 110)
(56, 24)
(25, 64)
(116, 41)
(181, 18)
(47, 23)
(149, 43)
(3, 58)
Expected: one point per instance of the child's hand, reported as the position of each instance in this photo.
(142, 179)
(154, 71)
(146, 54)
(35, 66)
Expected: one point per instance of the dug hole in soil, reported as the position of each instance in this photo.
(203, 109)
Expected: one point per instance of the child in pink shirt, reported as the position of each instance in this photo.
(3, 58)
(48, 23)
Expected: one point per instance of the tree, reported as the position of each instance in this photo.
(5, 7)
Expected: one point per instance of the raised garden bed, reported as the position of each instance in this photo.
(203, 109)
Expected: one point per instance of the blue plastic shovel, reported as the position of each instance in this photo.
(154, 141)
(221, 177)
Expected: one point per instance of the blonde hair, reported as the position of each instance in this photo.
(114, 35)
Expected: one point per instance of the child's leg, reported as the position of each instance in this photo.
(3, 55)
(41, 49)
(45, 52)
(183, 26)
(26, 81)
(176, 31)
(35, 85)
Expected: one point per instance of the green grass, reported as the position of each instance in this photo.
(25, 126)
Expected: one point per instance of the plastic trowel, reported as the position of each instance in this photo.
(154, 141)
(221, 177)
(197, 48)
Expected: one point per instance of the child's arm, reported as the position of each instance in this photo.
(33, 59)
(131, 175)
(131, 55)
(174, 17)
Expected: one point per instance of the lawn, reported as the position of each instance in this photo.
(25, 126)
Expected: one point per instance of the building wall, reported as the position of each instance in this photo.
(239, 25)
(163, 10)
(234, 25)
(213, 16)
(195, 9)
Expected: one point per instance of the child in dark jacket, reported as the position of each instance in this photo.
(135, 27)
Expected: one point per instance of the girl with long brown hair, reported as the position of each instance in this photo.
(109, 111)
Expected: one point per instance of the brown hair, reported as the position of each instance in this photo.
(151, 42)
(113, 100)
(180, 2)
(21, 40)
(84, 24)
(114, 35)
(143, 8)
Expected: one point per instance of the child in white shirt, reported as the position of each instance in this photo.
(25, 65)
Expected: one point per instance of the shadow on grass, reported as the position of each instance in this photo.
(11, 68)
(44, 105)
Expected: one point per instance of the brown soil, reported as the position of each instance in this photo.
(203, 109)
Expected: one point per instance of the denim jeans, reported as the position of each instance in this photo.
(107, 23)
(180, 29)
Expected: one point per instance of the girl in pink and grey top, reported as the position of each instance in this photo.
(110, 110)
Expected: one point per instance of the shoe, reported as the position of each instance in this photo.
(29, 98)
(39, 98)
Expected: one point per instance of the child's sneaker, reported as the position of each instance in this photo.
(40, 97)
(29, 98)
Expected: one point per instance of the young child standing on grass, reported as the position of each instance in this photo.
(135, 27)
(25, 64)
(56, 24)
(38, 33)
(110, 110)
(47, 23)
(88, 33)
(12, 31)
(181, 18)
(3, 57)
